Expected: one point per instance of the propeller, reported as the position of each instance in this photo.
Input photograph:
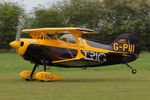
(20, 26)
(16, 43)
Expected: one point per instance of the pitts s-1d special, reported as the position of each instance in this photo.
(70, 50)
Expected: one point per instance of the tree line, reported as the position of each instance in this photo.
(110, 17)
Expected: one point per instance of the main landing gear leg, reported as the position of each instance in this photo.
(133, 70)
(30, 78)
(44, 68)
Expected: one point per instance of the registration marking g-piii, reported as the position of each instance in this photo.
(124, 47)
(96, 56)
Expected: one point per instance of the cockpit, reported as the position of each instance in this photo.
(68, 38)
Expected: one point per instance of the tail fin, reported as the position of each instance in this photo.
(127, 43)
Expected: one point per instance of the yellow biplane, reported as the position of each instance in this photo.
(65, 47)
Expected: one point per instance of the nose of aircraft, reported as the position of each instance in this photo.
(15, 44)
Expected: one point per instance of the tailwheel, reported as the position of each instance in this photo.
(134, 71)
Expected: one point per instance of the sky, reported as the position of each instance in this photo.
(29, 4)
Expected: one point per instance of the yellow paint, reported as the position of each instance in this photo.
(35, 33)
(47, 76)
(115, 46)
(129, 49)
(15, 44)
(26, 74)
(133, 48)
(53, 30)
(125, 46)
(122, 41)
(22, 49)
(65, 60)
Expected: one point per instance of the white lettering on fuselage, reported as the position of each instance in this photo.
(96, 56)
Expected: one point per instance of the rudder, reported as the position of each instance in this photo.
(127, 43)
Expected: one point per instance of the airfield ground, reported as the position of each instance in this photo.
(103, 83)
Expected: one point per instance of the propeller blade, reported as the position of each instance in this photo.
(20, 26)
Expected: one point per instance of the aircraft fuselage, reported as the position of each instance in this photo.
(45, 55)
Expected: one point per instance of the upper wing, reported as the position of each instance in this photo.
(61, 30)
(36, 32)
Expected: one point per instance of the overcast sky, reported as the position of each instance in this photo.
(29, 4)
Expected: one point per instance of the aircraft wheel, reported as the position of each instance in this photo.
(134, 71)
(29, 79)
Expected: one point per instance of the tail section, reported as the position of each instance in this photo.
(127, 43)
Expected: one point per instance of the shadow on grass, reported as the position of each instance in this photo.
(81, 80)
(103, 80)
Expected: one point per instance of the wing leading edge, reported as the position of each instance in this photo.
(61, 30)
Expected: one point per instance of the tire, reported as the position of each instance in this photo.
(134, 71)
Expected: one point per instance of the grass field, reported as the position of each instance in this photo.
(102, 83)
